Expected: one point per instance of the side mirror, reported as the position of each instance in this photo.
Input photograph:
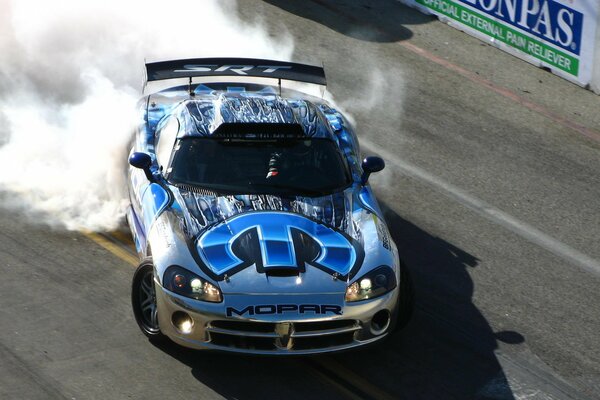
(142, 161)
(369, 165)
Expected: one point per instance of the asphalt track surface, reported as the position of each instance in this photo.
(492, 193)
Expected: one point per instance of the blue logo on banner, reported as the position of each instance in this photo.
(550, 20)
(276, 240)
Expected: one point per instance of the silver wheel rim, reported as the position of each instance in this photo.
(147, 296)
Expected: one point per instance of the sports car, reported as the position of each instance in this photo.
(252, 214)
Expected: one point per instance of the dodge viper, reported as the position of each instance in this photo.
(252, 214)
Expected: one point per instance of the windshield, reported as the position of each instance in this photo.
(310, 167)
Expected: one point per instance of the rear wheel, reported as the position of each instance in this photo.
(406, 298)
(143, 300)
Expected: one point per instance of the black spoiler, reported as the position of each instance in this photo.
(235, 67)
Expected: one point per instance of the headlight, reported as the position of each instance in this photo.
(185, 283)
(376, 283)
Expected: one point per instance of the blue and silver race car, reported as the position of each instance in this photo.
(252, 214)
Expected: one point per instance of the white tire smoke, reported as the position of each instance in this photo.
(71, 75)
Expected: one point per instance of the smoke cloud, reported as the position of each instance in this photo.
(71, 74)
(376, 107)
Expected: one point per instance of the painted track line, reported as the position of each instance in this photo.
(116, 247)
(489, 212)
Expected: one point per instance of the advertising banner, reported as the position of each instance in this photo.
(558, 34)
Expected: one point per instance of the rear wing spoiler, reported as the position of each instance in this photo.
(238, 67)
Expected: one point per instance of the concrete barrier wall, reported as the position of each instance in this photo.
(561, 35)
(596, 77)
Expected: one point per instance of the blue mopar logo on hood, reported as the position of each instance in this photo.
(276, 240)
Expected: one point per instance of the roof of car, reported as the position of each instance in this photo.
(203, 115)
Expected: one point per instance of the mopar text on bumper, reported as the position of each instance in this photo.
(274, 324)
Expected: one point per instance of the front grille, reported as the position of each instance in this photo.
(242, 342)
(292, 336)
(323, 342)
(324, 325)
(244, 326)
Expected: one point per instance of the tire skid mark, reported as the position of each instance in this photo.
(49, 386)
(363, 388)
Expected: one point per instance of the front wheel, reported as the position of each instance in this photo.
(143, 300)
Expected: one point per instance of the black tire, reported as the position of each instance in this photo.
(406, 299)
(143, 300)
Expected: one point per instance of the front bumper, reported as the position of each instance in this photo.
(292, 333)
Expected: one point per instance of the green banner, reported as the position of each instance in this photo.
(504, 34)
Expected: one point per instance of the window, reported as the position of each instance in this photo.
(167, 133)
(291, 166)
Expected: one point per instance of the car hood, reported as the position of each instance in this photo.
(270, 244)
(203, 209)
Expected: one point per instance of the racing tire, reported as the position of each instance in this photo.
(406, 299)
(143, 300)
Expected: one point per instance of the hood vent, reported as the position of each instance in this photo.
(196, 189)
(259, 131)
